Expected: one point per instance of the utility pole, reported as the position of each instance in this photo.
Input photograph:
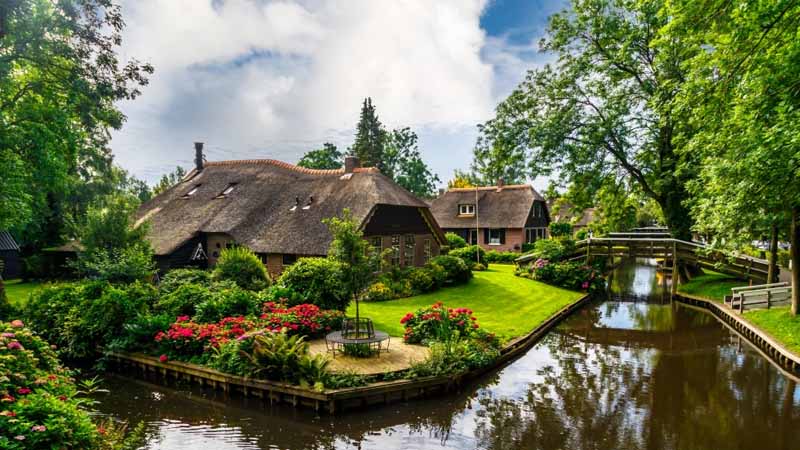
(477, 229)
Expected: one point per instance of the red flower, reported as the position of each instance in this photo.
(23, 391)
(163, 358)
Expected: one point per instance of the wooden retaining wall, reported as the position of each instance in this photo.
(770, 347)
(331, 400)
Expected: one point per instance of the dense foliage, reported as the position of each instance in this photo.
(454, 241)
(318, 281)
(560, 229)
(60, 80)
(327, 157)
(40, 405)
(243, 267)
(571, 275)
(471, 254)
(456, 271)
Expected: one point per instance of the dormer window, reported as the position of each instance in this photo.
(192, 191)
(537, 210)
(227, 190)
(467, 209)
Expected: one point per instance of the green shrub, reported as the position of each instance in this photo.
(421, 280)
(469, 254)
(378, 292)
(455, 356)
(454, 241)
(478, 267)
(230, 357)
(552, 249)
(184, 300)
(560, 229)
(317, 281)
(138, 333)
(528, 247)
(119, 265)
(242, 266)
(571, 275)
(80, 318)
(229, 302)
(581, 234)
(438, 274)
(176, 278)
(6, 310)
(493, 256)
(783, 258)
(279, 357)
(358, 350)
(456, 270)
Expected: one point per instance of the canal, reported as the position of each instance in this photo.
(631, 370)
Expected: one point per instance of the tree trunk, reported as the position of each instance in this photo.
(772, 273)
(795, 243)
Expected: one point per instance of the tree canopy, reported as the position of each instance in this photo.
(602, 110)
(327, 157)
(60, 76)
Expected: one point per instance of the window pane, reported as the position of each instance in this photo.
(408, 250)
(427, 250)
(395, 256)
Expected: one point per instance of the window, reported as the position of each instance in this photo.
(496, 236)
(227, 190)
(537, 210)
(408, 250)
(288, 259)
(376, 245)
(466, 209)
(532, 234)
(192, 191)
(395, 255)
(472, 237)
(426, 248)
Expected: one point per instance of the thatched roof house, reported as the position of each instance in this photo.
(276, 209)
(502, 217)
(564, 211)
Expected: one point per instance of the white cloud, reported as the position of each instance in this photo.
(274, 79)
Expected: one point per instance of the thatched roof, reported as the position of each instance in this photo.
(566, 212)
(498, 207)
(258, 212)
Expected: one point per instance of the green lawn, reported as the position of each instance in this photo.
(779, 323)
(504, 304)
(711, 285)
(17, 291)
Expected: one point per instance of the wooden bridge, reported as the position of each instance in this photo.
(658, 244)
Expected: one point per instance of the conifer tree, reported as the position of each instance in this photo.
(370, 138)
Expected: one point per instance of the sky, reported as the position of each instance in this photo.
(274, 79)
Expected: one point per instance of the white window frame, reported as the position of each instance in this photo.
(395, 255)
(533, 234)
(426, 254)
(408, 258)
(492, 240)
(466, 209)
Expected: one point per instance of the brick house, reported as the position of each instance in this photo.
(276, 209)
(502, 217)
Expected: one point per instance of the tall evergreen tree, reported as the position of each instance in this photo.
(370, 139)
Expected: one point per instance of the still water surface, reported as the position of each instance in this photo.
(629, 371)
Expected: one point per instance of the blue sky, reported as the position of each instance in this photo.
(273, 79)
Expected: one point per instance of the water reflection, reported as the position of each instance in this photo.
(631, 371)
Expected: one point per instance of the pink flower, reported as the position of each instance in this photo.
(17, 323)
(39, 428)
(19, 437)
(163, 358)
(14, 346)
(8, 335)
(24, 391)
(585, 285)
(183, 319)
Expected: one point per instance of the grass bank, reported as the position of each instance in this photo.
(504, 304)
(18, 292)
(711, 286)
(779, 323)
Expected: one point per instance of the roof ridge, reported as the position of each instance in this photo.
(491, 188)
(289, 166)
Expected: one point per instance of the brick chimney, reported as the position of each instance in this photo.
(198, 156)
(351, 163)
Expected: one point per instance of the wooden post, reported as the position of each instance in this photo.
(769, 295)
(674, 288)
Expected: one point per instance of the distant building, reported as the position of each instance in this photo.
(495, 217)
(276, 209)
(9, 254)
(565, 212)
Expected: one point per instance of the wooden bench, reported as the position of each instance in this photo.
(771, 294)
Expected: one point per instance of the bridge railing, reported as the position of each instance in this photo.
(667, 248)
